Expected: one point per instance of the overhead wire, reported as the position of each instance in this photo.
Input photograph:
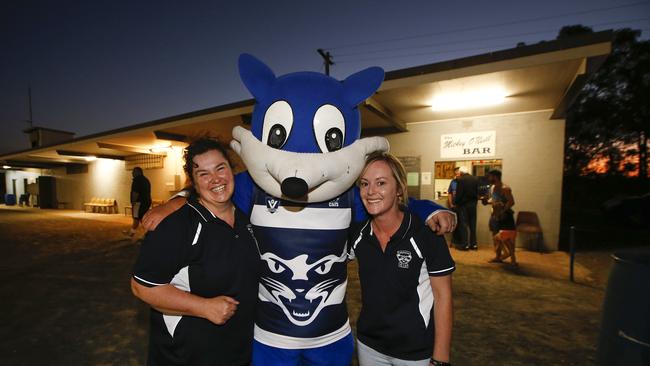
(390, 49)
(496, 25)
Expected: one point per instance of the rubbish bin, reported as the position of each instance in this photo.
(625, 329)
(10, 199)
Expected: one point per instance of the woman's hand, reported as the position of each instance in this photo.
(442, 222)
(219, 309)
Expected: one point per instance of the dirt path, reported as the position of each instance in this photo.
(67, 299)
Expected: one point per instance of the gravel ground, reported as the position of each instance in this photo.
(68, 302)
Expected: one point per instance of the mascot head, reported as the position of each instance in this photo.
(304, 141)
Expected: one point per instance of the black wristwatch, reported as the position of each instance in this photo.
(435, 362)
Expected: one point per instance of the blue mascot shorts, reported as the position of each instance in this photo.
(338, 353)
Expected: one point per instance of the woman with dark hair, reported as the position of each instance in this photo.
(405, 274)
(199, 271)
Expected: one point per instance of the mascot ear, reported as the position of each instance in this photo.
(363, 84)
(257, 77)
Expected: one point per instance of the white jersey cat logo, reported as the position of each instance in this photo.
(301, 307)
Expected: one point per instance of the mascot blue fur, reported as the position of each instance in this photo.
(303, 155)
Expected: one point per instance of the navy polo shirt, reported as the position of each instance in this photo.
(197, 252)
(397, 300)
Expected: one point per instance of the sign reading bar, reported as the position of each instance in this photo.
(468, 145)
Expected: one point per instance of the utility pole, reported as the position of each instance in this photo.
(29, 97)
(327, 60)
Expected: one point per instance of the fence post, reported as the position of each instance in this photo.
(572, 250)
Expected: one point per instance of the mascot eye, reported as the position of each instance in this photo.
(329, 128)
(333, 139)
(275, 266)
(324, 267)
(278, 121)
(277, 136)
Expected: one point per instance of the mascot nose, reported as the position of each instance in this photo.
(294, 187)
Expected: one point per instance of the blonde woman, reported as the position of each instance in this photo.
(405, 274)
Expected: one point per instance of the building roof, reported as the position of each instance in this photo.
(542, 76)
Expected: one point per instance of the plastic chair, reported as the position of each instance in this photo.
(528, 223)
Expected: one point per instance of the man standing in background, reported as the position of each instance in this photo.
(465, 201)
(451, 193)
(140, 198)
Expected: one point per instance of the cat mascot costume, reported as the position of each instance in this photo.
(303, 156)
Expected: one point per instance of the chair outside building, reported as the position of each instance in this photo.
(528, 223)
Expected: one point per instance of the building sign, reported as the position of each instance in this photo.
(468, 145)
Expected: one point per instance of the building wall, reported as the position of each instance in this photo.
(107, 178)
(19, 175)
(531, 147)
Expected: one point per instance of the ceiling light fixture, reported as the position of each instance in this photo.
(468, 99)
(6, 167)
(160, 149)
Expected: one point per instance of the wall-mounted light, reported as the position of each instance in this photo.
(6, 167)
(161, 149)
(468, 99)
(87, 156)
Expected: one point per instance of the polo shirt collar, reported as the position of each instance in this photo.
(405, 226)
(205, 214)
(407, 221)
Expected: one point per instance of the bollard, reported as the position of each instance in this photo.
(572, 250)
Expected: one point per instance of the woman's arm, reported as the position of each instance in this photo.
(443, 316)
(172, 301)
(510, 198)
(154, 216)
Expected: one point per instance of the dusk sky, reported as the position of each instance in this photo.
(99, 65)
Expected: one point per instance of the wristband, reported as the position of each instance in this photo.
(435, 362)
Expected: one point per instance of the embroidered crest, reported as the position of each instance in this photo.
(403, 258)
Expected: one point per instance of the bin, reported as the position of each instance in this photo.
(10, 199)
(625, 328)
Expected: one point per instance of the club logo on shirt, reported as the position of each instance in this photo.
(403, 258)
(272, 204)
(299, 304)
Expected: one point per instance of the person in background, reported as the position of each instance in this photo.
(451, 192)
(199, 271)
(140, 198)
(465, 201)
(502, 219)
(405, 273)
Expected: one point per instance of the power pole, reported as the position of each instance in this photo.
(29, 100)
(327, 60)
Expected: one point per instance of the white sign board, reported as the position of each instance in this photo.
(468, 145)
(425, 178)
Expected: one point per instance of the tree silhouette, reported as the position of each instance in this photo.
(610, 119)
